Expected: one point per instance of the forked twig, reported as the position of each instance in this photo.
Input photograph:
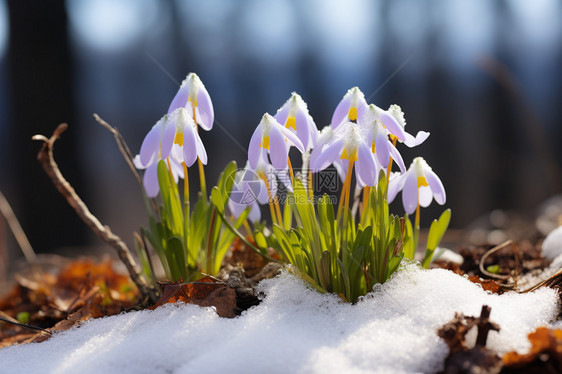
(47, 160)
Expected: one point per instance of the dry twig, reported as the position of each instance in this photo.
(46, 159)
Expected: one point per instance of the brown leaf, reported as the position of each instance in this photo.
(545, 355)
(204, 292)
(487, 284)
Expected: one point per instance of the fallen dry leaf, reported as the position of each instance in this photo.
(204, 292)
(545, 355)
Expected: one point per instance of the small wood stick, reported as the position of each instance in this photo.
(47, 160)
(484, 326)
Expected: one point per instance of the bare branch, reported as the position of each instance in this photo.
(46, 159)
(128, 156)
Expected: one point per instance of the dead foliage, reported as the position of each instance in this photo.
(545, 355)
(204, 292)
(461, 358)
(82, 290)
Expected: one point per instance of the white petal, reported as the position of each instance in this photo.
(323, 158)
(425, 196)
(150, 180)
(340, 114)
(397, 158)
(436, 187)
(201, 152)
(189, 146)
(278, 150)
(254, 147)
(282, 114)
(303, 130)
(206, 115)
(365, 166)
(410, 193)
(167, 140)
(420, 138)
(292, 138)
(151, 144)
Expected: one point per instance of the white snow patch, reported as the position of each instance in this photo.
(552, 245)
(294, 330)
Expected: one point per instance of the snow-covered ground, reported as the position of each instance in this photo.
(294, 330)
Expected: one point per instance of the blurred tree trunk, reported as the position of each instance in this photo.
(40, 85)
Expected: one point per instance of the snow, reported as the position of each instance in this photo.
(552, 245)
(294, 330)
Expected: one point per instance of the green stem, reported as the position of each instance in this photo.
(208, 260)
(244, 240)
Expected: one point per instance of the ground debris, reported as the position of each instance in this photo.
(545, 355)
(206, 291)
(81, 290)
(461, 358)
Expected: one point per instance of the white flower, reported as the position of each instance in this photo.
(350, 108)
(193, 96)
(275, 139)
(419, 185)
(294, 115)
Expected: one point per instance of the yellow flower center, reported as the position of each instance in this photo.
(192, 100)
(422, 181)
(352, 114)
(352, 157)
(291, 123)
(179, 139)
(264, 142)
(373, 148)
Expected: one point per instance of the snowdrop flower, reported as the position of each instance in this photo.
(194, 97)
(276, 139)
(419, 186)
(377, 135)
(294, 115)
(150, 177)
(395, 113)
(187, 138)
(157, 144)
(349, 108)
(348, 143)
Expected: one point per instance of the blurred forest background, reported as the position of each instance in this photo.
(484, 77)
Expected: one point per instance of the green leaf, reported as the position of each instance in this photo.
(437, 229)
(325, 271)
(261, 241)
(170, 197)
(175, 249)
(495, 269)
(226, 180)
(217, 199)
